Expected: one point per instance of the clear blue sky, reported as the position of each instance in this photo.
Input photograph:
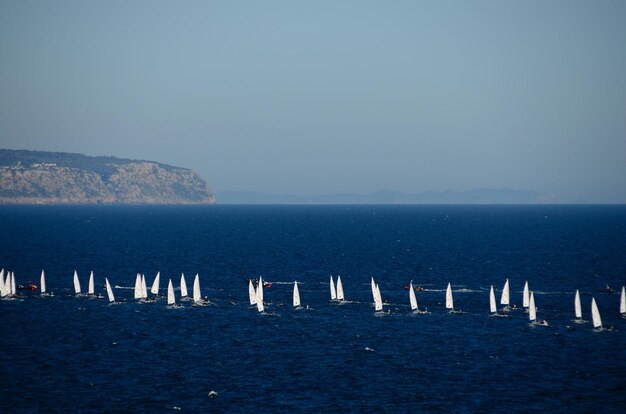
(328, 96)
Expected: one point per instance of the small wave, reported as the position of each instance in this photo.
(123, 287)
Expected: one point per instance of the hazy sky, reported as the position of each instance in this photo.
(328, 96)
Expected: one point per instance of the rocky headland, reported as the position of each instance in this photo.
(37, 177)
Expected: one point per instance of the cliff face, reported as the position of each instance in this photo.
(35, 177)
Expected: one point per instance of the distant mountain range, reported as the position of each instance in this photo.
(38, 177)
(478, 196)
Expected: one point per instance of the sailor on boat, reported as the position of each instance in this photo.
(30, 286)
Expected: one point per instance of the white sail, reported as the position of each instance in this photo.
(259, 296)
(42, 282)
(171, 299)
(504, 299)
(492, 301)
(577, 308)
(412, 298)
(622, 302)
(90, 288)
(333, 292)
(595, 314)
(449, 300)
(2, 288)
(532, 310)
(251, 293)
(2, 284)
(144, 288)
(526, 296)
(183, 286)
(373, 290)
(109, 290)
(296, 295)
(76, 283)
(13, 291)
(196, 289)
(378, 300)
(7, 284)
(339, 288)
(155, 285)
(138, 294)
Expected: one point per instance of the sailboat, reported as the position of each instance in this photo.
(183, 286)
(42, 283)
(155, 285)
(5, 284)
(251, 292)
(138, 293)
(76, 283)
(171, 299)
(333, 292)
(532, 312)
(622, 303)
(378, 300)
(90, 287)
(525, 296)
(492, 302)
(259, 296)
(450, 301)
(505, 298)
(13, 291)
(373, 287)
(577, 308)
(259, 290)
(109, 290)
(144, 288)
(595, 314)
(296, 295)
(2, 287)
(197, 298)
(339, 288)
(412, 298)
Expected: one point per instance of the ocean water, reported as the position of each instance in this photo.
(77, 354)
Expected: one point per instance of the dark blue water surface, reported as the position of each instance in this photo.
(68, 354)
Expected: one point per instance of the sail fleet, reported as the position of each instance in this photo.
(256, 299)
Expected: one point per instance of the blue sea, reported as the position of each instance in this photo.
(65, 354)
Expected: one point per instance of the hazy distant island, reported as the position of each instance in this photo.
(38, 177)
(478, 196)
